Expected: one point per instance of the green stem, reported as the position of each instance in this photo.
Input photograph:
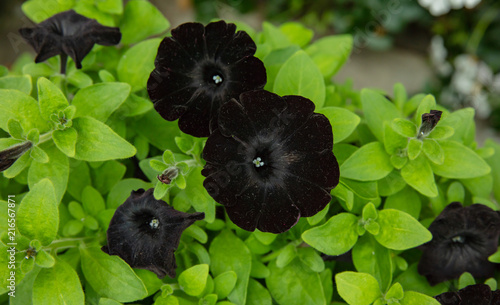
(45, 137)
(480, 29)
(69, 242)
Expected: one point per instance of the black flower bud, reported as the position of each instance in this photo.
(11, 154)
(429, 121)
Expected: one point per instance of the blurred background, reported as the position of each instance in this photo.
(450, 48)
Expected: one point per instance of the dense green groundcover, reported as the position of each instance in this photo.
(91, 127)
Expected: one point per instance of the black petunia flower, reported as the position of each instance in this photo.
(145, 232)
(200, 68)
(462, 240)
(478, 294)
(11, 154)
(270, 161)
(68, 33)
(429, 121)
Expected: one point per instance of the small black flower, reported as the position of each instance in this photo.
(429, 121)
(145, 232)
(68, 33)
(200, 68)
(478, 294)
(11, 154)
(270, 161)
(462, 240)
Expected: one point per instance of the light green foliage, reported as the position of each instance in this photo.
(357, 288)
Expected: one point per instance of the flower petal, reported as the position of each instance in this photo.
(190, 37)
(241, 46)
(173, 56)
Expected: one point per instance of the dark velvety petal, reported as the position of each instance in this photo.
(263, 109)
(315, 135)
(222, 150)
(278, 212)
(449, 298)
(227, 183)
(217, 36)
(495, 297)
(190, 37)
(196, 120)
(245, 212)
(478, 294)
(105, 35)
(308, 197)
(241, 46)
(77, 50)
(234, 122)
(145, 232)
(320, 169)
(246, 75)
(172, 56)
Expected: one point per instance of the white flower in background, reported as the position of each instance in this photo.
(438, 54)
(441, 7)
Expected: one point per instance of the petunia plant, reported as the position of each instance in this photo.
(217, 164)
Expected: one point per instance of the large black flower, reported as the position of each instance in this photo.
(270, 161)
(462, 240)
(145, 232)
(478, 294)
(68, 33)
(200, 68)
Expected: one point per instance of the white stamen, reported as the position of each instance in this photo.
(458, 239)
(154, 224)
(217, 79)
(258, 162)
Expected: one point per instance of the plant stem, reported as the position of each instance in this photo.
(45, 137)
(70, 242)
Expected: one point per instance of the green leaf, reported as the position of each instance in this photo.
(456, 192)
(110, 276)
(377, 110)
(136, 64)
(273, 37)
(257, 294)
(310, 257)
(368, 163)
(462, 121)
(480, 186)
(58, 285)
(400, 231)
(330, 53)
(433, 151)
(299, 76)
(287, 254)
(343, 121)
(297, 33)
(100, 100)
(106, 301)
(394, 143)
(79, 78)
(460, 162)
(318, 217)
(404, 128)
(44, 260)
(341, 230)
(369, 212)
(390, 184)
(140, 20)
(57, 170)
(224, 283)
(76, 210)
(406, 200)
(50, 98)
(441, 132)
(426, 105)
(79, 178)
(121, 191)
(148, 126)
(21, 83)
(357, 288)
(107, 175)
(400, 95)
(418, 174)
(395, 292)
(39, 10)
(97, 142)
(65, 140)
(414, 148)
(229, 253)
(197, 233)
(273, 62)
(193, 280)
(18, 166)
(19, 106)
(412, 280)
(295, 285)
(92, 201)
(415, 298)
(466, 279)
(105, 75)
(15, 129)
(110, 6)
(370, 257)
(37, 215)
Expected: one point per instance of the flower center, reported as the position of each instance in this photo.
(458, 239)
(217, 79)
(258, 162)
(154, 223)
